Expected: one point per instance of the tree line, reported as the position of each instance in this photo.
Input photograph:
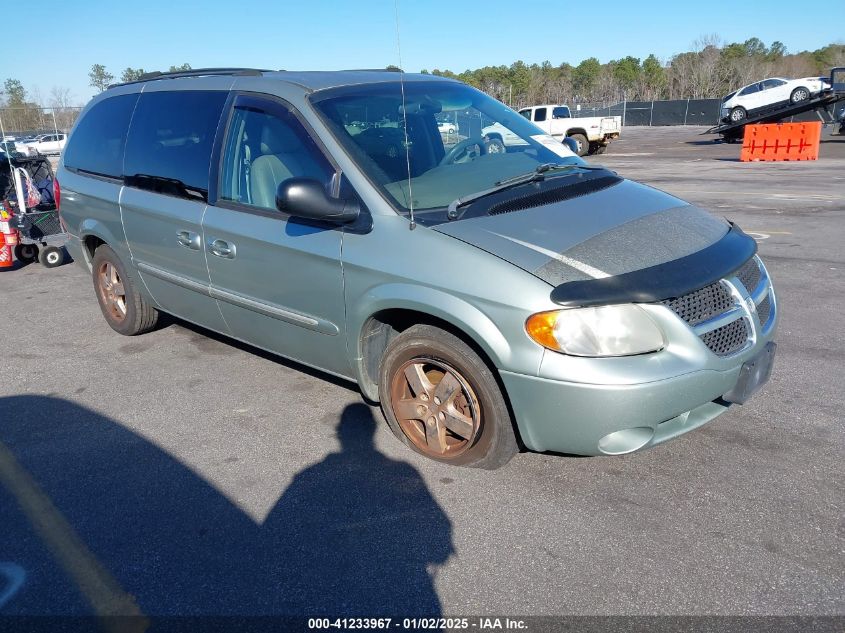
(710, 70)
(25, 112)
(100, 78)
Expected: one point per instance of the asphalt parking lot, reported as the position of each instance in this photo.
(182, 473)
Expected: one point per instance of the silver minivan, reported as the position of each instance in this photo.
(489, 296)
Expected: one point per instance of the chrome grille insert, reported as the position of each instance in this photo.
(701, 305)
(764, 309)
(749, 274)
(719, 313)
(727, 339)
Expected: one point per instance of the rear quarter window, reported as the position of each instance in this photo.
(97, 143)
(171, 138)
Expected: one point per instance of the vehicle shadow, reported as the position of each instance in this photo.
(168, 320)
(82, 497)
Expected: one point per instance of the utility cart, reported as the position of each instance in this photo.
(41, 234)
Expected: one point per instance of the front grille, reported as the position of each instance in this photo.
(701, 305)
(764, 309)
(727, 339)
(749, 274)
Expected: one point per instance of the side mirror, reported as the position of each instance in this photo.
(306, 198)
(571, 143)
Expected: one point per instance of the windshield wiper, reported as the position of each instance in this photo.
(537, 175)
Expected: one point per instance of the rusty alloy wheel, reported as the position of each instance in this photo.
(435, 407)
(111, 290)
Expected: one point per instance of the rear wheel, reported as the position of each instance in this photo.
(737, 114)
(124, 309)
(26, 253)
(442, 400)
(582, 143)
(799, 94)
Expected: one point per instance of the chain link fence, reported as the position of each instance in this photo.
(29, 120)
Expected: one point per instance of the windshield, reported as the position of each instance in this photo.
(459, 141)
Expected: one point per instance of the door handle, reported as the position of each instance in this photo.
(222, 248)
(188, 240)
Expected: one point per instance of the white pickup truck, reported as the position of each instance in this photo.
(591, 134)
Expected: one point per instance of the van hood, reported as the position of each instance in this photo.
(620, 229)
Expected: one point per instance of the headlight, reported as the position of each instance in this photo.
(618, 330)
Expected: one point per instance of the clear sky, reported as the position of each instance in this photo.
(56, 44)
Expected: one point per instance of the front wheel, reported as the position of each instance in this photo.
(737, 114)
(799, 94)
(495, 146)
(442, 400)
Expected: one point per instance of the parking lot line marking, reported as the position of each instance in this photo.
(102, 591)
(767, 194)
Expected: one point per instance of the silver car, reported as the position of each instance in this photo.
(488, 299)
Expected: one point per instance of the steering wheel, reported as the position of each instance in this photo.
(461, 147)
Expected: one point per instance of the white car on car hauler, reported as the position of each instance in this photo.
(769, 92)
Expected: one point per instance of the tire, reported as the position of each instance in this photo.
(128, 313)
(737, 114)
(51, 257)
(481, 434)
(597, 148)
(495, 146)
(799, 94)
(26, 253)
(583, 143)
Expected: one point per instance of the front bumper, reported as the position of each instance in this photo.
(577, 418)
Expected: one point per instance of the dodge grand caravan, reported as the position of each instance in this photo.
(487, 299)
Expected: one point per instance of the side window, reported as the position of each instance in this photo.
(526, 114)
(561, 112)
(540, 114)
(169, 145)
(772, 83)
(97, 143)
(265, 146)
(750, 89)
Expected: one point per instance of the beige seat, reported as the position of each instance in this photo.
(282, 156)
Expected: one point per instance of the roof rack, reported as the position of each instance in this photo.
(194, 72)
(393, 69)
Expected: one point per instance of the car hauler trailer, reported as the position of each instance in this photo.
(823, 104)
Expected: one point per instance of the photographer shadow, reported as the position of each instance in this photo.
(357, 534)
